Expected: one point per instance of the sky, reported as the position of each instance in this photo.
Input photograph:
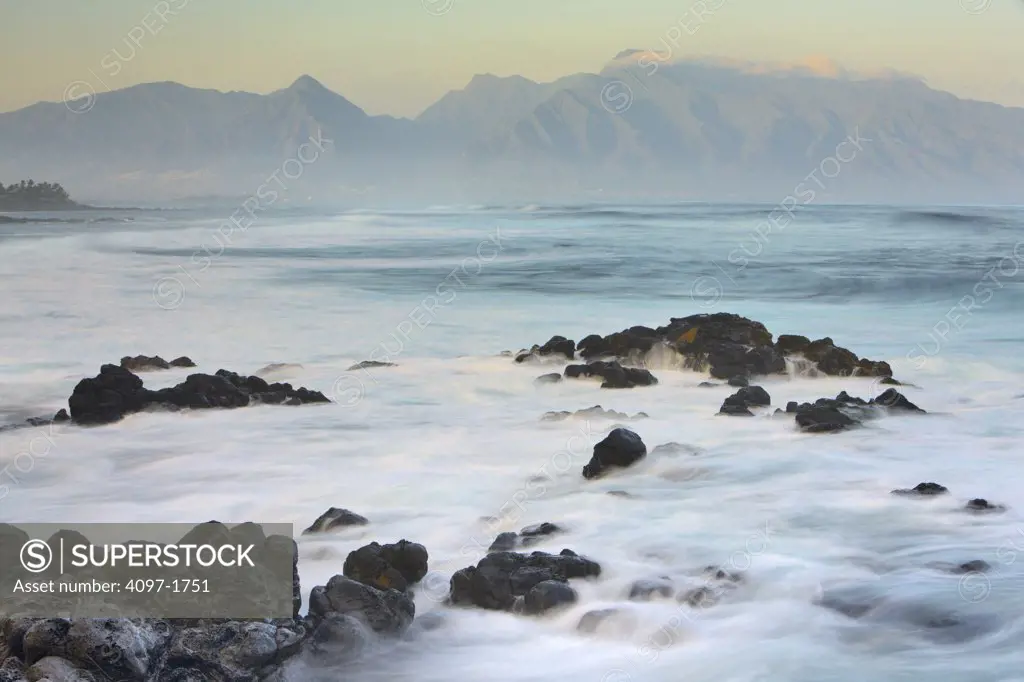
(399, 56)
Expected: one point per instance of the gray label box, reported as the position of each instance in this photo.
(147, 570)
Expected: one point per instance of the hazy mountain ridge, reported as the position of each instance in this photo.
(693, 129)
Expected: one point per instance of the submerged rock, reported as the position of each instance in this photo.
(845, 411)
(556, 345)
(595, 412)
(115, 392)
(502, 580)
(982, 506)
(335, 518)
(922, 490)
(647, 590)
(370, 364)
(612, 374)
(552, 378)
(620, 449)
(527, 537)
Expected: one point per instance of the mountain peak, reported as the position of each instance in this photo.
(307, 83)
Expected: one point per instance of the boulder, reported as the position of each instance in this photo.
(612, 374)
(982, 506)
(499, 580)
(527, 537)
(738, 403)
(393, 566)
(386, 611)
(547, 595)
(620, 448)
(922, 490)
(648, 590)
(557, 345)
(552, 378)
(335, 518)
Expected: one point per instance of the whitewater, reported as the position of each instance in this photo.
(448, 447)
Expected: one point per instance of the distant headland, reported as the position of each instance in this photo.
(28, 195)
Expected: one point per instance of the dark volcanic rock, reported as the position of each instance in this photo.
(894, 400)
(335, 518)
(647, 590)
(595, 412)
(620, 449)
(394, 566)
(922, 490)
(548, 595)
(737, 403)
(384, 611)
(370, 364)
(823, 419)
(115, 392)
(727, 346)
(982, 506)
(527, 537)
(143, 363)
(557, 345)
(613, 374)
(499, 580)
(552, 378)
(738, 381)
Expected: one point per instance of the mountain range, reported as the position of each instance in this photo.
(695, 129)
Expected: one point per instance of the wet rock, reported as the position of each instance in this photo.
(727, 346)
(612, 374)
(595, 412)
(982, 506)
(922, 490)
(673, 448)
(115, 648)
(384, 611)
(337, 639)
(592, 620)
(505, 542)
(647, 590)
(739, 381)
(370, 364)
(894, 400)
(552, 378)
(556, 346)
(975, 566)
(707, 384)
(115, 392)
(738, 403)
(335, 518)
(622, 493)
(232, 650)
(501, 579)
(143, 363)
(620, 449)
(815, 419)
(531, 535)
(393, 566)
(548, 595)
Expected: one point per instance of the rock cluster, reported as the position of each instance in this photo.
(726, 345)
(116, 392)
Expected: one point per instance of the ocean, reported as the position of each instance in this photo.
(448, 448)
